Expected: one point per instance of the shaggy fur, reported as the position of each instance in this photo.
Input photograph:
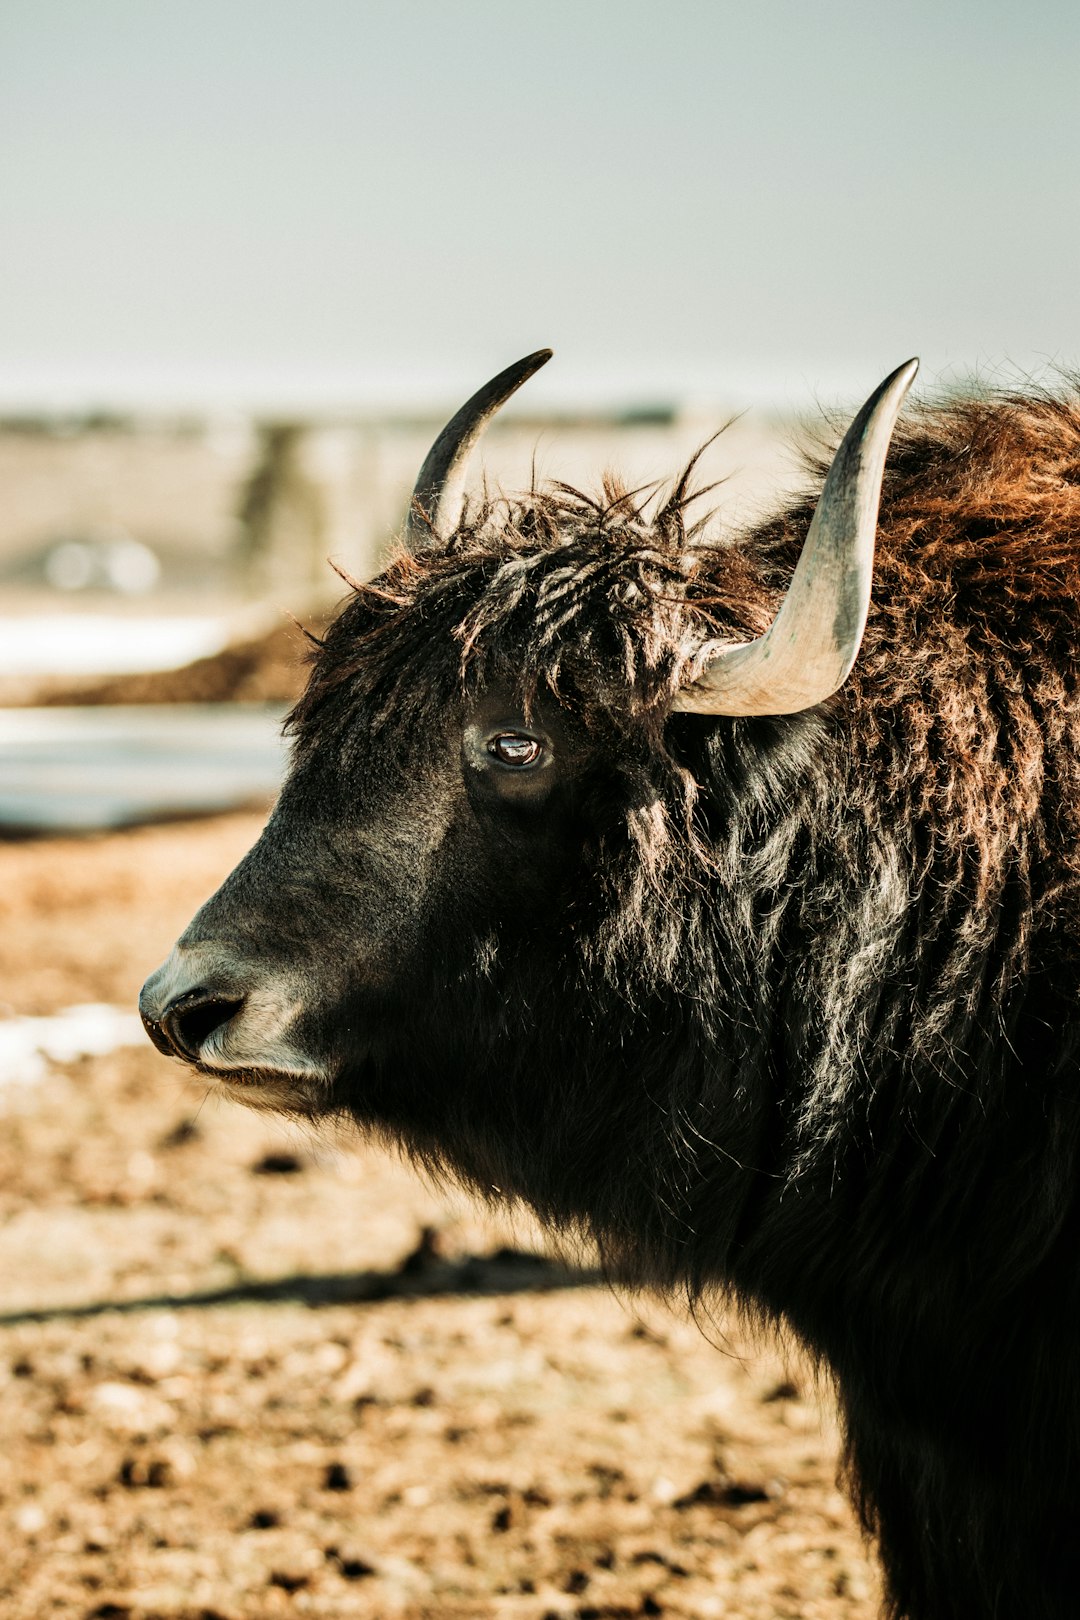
(784, 1007)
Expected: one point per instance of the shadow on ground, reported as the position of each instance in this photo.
(424, 1274)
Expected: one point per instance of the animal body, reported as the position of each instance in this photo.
(609, 879)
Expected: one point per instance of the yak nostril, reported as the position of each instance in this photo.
(194, 1018)
(158, 1035)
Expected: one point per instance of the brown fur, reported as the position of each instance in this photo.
(810, 1012)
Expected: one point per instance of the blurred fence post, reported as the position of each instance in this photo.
(282, 517)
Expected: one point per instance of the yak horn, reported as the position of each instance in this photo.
(807, 652)
(437, 501)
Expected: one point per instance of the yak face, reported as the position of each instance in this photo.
(393, 860)
(483, 915)
(491, 915)
(424, 937)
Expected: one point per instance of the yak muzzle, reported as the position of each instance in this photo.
(230, 1019)
(190, 997)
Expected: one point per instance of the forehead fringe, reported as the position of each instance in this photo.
(601, 598)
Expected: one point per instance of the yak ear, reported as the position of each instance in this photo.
(808, 650)
(437, 500)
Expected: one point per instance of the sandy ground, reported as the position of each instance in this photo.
(245, 1374)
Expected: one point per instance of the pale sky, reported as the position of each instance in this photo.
(354, 201)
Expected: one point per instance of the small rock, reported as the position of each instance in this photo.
(729, 1493)
(146, 1473)
(278, 1164)
(337, 1477)
(182, 1133)
(30, 1519)
(784, 1391)
(289, 1580)
(350, 1566)
(428, 1251)
(129, 1408)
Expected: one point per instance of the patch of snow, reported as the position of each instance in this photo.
(106, 644)
(29, 1045)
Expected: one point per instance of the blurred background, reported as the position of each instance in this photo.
(254, 253)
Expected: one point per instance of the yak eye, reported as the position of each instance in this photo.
(510, 748)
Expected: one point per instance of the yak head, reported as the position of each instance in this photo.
(489, 914)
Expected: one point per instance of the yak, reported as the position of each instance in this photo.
(610, 880)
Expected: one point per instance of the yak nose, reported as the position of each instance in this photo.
(191, 1020)
(181, 1007)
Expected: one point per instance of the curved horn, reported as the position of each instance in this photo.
(808, 650)
(439, 495)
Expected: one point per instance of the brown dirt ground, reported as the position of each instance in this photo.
(246, 1374)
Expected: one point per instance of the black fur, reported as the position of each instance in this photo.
(785, 1008)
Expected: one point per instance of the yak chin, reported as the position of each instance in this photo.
(279, 1081)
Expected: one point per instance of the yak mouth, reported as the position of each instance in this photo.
(279, 1090)
(293, 1085)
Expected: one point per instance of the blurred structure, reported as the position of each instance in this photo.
(104, 508)
(206, 515)
(282, 516)
(154, 562)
